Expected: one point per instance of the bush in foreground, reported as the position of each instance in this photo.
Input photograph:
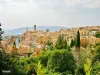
(61, 61)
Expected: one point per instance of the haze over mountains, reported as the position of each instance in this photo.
(19, 31)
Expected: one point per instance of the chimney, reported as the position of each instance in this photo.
(47, 30)
(34, 27)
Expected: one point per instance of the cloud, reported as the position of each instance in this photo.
(48, 12)
(54, 4)
(92, 4)
(68, 3)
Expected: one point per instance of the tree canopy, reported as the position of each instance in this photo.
(97, 34)
(61, 42)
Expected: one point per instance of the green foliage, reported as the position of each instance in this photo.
(1, 32)
(97, 55)
(97, 34)
(4, 61)
(61, 61)
(49, 45)
(44, 58)
(53, 73)
(80, 70)
(78, 40)
(96, 69)
(61, 42)
(73, 43)
(22, 66)
(98, 50)
(97, 44)
(14, 44)
(68, 48)
(88, 66)
(40, 70)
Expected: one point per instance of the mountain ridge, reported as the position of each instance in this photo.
(19, 31)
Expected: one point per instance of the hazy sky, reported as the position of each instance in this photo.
(70, 13)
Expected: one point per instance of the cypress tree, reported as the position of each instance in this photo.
(78, 40)
(72, 43)
(14, 48)
(14, 44)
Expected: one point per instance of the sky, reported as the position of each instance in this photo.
(70, 13)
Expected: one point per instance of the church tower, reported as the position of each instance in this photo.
(34, 27)
(26, 29)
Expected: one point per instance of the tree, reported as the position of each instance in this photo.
(72, 43)
(14, 44)
(49, 45)
(61, 61)
(4, 58)
(14, 51)
(97, 34)
(97, 55)
(44, 58)
(1, 32)
(64, 44)
(78, 40)
(61, 42)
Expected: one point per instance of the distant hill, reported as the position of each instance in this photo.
(19, 31)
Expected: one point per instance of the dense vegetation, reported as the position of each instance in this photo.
(97, 34)
(60, 59)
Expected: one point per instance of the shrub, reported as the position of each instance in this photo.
(80, 70)
(44, 58)
(97, 44)
(97, 34)
(88, 67)
(96, 69)
(97, 55)
(61, 61)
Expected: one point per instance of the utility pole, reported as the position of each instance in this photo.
(1, 32)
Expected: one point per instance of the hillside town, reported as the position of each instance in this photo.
(34, 41)
(49, 37)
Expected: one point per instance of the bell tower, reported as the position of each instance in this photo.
(26, 29)
(34, 27)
